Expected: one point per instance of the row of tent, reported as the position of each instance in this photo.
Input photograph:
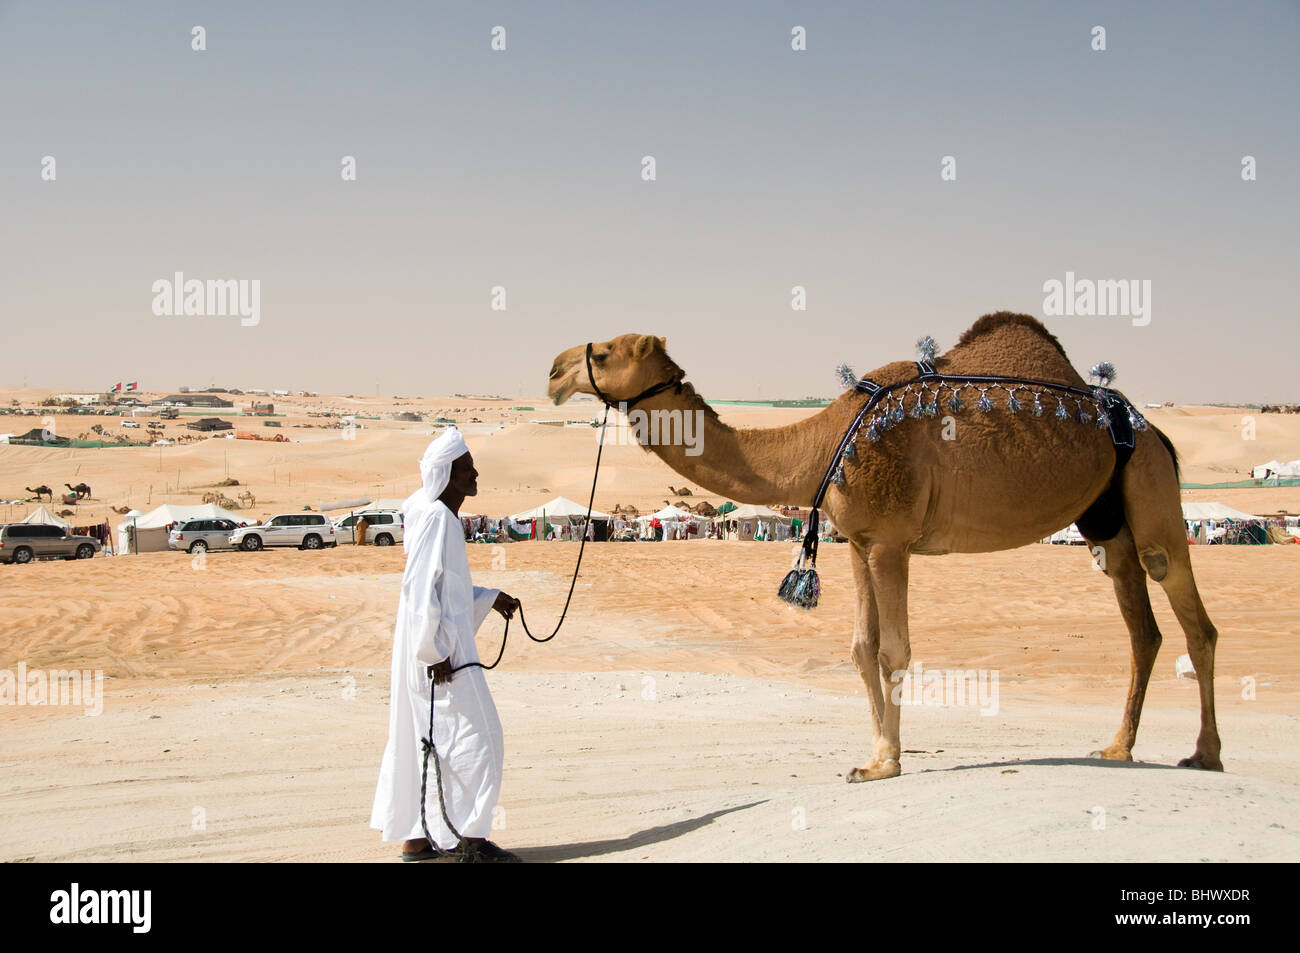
(1207, 522)
(150, 528)
(564, 508)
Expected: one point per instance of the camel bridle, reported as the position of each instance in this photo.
(633, 401)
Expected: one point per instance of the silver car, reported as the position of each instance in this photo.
(304, 530)
(23, 542)
(196, 536)
(385, 527)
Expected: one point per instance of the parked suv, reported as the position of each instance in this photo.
(201, 535)
(385, 527)
(304, 530)
(23, 542)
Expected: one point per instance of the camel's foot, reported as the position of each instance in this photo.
(875, 771)
(1113, 753)
(1203, 761)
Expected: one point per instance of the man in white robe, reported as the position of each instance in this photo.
(439, 611)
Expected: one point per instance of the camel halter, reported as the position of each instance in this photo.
(627, 405)
(887, 406)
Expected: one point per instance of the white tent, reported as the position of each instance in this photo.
(1070, 535)
(123, 532)
(749, 511)
(172, 513)
(386, 503)
(559, 507)
(668, 513)
(151, 528)
(1276, 468)
(1195, 512)
(43, 515)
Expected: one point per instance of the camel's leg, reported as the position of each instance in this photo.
(887, 567)
(866, 643)
(1151, 505)
(1129, 578)
(1180, 587)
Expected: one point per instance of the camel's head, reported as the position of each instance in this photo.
(622, 367)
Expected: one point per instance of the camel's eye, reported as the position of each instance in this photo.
(599, 358)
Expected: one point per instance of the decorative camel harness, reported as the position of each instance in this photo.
(887, 406)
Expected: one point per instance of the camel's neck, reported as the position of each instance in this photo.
(771, 465)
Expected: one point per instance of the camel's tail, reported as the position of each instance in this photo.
(1169, 445)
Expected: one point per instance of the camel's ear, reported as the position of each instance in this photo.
(644, 345)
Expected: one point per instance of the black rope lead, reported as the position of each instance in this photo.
(428, 743)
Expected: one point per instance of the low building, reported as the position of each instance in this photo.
(195, 400)
(210, 423)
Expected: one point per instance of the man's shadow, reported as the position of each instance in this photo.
(651, 835)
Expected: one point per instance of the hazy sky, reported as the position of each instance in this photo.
(522, 169)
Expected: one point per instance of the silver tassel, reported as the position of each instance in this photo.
(984, 404)
(837, 477)
(1061, 412)
(954, 403)
(927, 348)
(1038, 405)
(846, 375)
(1102, 373)
(1083, 416)
(1013, 405)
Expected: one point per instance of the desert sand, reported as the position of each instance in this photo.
(683, 713)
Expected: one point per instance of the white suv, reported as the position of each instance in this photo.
(385, 527)
(304, 530)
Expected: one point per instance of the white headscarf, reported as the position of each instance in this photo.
(435, 465)
(435, 470)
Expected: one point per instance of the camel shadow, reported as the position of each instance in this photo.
(1060, 762)
(651, 835)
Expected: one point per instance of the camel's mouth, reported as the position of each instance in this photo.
(564, 379)
(562, 388)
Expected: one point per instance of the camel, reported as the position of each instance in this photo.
(1006, 479)
(247, 499)
(684, 491)
(81, 489)
(40, 491)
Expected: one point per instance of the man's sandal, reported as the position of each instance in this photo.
(480, 850)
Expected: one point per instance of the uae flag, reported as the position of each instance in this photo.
(134, 385)
(117, 388)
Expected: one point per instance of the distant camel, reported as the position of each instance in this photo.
(81, 489)
(39, 491)
(684, 491)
